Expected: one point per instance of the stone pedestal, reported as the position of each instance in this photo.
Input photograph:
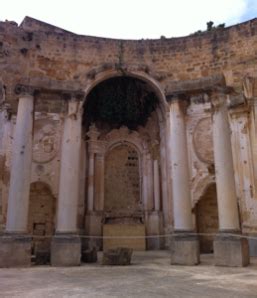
(185, 249)
(124, 235)
(65, 250)
(231, 251)
(155, 227)
(15, 251)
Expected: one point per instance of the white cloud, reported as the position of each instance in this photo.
(128, 18)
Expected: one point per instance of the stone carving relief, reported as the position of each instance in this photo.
(46, 140)
(250, 87)
(202, 140)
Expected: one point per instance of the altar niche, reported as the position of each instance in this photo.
(122, 131)
(122, 185)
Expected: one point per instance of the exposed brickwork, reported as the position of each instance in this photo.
(207, 218)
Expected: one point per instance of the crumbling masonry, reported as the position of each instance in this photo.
(103, 137)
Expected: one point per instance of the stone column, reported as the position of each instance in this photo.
(99, 182)
(228, 251)
(185, 248)
(150, 184)
(90, 185)
(94, 216)
(66, 246)
(15, 245)
(156, 186)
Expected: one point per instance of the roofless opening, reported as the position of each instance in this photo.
(120, 101)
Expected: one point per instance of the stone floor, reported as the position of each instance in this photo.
(150, 275)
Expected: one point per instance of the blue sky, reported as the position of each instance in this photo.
(131, 19)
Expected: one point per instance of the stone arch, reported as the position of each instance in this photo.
(200, 186)
(207, 223)
(105, 75)
(41, 218)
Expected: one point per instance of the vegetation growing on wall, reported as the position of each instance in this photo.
(120, 101)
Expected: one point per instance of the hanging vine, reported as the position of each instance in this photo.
(120, 101)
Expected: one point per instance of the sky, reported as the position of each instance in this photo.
(131, 19)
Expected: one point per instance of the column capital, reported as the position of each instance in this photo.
(74, 109)
(218, 98)
(182, 100)
(6, 108)
(238, 105)
(25, 90)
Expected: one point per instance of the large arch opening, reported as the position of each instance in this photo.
(120, 101)
(122, 128)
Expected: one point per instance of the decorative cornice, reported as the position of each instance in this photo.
(71, 95)
(21, 90)
(6, 108)
(201, 85)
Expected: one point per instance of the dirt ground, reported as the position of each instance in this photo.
(150, 275)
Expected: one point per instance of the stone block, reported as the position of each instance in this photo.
(15, 251)
(119, 232)
(120, 256)
(89, 255)
(65, 250)
(185, 249)
(231, 251)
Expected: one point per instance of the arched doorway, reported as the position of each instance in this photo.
(41, 220)
(207, 221)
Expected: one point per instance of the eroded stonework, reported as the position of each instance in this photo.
(161, 175)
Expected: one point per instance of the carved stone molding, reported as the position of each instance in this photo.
(202, 140)
(218, 98)
(21, 90)
(6, 108)
(75, 95)
(46, 141)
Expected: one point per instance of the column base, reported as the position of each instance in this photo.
(231, 251)
(15, 250)
(185, 249)
(65, 250)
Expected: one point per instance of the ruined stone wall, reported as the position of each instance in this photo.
(38, 53)
(48, 57)
(122, 170)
